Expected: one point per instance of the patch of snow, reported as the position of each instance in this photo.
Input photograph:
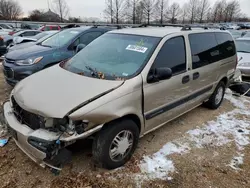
(236, 162)
(228, 127)
(159, 165)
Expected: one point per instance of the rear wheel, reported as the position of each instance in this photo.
(115, 144)
(216, 98)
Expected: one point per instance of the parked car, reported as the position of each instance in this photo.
(31, 43)
(243, 51)
(29, 26)
(19, 40)
(236, 33)
(49, 27)
(21, 63)
(120, 87)
(247, 34)
(6, 40)
(6, 26)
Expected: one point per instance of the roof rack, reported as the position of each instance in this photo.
(189, 27)
(160, 25)
(108, 25)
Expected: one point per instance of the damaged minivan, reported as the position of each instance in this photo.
(120, 87)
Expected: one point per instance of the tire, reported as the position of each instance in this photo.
(217, 97)
(103, 145)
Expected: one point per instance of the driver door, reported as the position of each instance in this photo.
(163, 100)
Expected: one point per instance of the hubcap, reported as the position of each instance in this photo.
(219, 96)
(121, 145)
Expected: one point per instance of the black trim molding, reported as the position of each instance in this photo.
(177, 103)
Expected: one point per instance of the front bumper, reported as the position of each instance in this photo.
(23, 135)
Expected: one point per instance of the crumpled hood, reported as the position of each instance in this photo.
(245, 57)
(54, 92)
(29, 52)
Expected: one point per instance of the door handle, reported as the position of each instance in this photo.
(185, 79)
(196, 76)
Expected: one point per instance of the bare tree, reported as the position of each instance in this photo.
(131, 9)
(184, 12)
(10, 9)
(203, 9)
(108, 11)
(119, 7)
(148, 9)
(161, 9)
(233, 9)
(61, 8)
(36, 15)
(173, 12)
(140, 16)
(192, 10)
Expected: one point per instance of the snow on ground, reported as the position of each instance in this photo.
(228, 127)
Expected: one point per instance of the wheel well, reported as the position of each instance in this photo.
(132, 117)
(225, 80)
(9, 41)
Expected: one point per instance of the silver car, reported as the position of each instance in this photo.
(243, 51)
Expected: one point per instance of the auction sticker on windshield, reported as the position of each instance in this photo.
(135, 48)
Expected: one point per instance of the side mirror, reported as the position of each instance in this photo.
(157, 74)
(80, 47)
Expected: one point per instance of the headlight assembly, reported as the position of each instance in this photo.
(29, 61)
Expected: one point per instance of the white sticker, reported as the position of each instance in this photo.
(124, 74)
(136, 48)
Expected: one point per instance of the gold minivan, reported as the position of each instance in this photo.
(120, 87)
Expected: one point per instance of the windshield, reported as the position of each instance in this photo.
(236, 34)
(60, 39)
(38, 36)
(33, 26)
(247, 34)
(243, 46)
(113, 56)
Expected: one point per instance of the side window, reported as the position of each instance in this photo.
(89, 37)
(204, 49)
(172, 55)
(54, 28)
(226, 45)
(47, 28)
(25, 34)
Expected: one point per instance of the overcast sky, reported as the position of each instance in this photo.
(94, 8)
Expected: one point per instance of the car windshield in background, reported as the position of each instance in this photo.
(33, 26)
(61, 38)
(113, 56)
(247, 34)
(40, 35)
(243, 46)
(235, 34)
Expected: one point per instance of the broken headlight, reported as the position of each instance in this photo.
(66, 125)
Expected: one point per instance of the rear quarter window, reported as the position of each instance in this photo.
(226, 45)
(204, 48)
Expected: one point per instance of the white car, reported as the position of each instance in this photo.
(19, 40)
(243, 52)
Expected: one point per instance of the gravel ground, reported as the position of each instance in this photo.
(205, 166)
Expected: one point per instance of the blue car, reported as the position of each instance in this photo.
(21, 63)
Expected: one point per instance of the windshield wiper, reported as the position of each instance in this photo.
(242, 51)
(93, 71)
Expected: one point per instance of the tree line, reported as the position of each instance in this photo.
(160, 11)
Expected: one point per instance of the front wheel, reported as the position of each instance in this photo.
(115, 144)
(216, 98)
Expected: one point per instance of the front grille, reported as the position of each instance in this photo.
(11, 61)
(8, 72)
(24, 117)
